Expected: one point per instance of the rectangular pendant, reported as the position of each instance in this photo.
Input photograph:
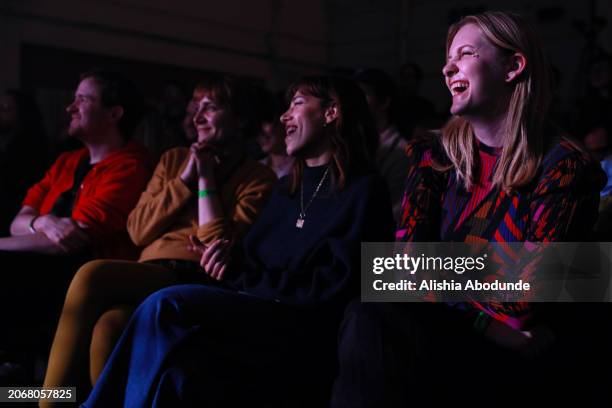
(299, 223)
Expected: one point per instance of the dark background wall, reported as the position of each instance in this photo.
(44, 44)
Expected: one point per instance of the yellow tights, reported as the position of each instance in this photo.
(98, 304)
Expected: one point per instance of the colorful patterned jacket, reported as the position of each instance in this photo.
(560, 204)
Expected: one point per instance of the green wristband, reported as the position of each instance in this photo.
(206, 192)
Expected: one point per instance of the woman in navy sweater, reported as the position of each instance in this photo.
(256, 337)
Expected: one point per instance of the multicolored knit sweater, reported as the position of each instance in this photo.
(560, 204)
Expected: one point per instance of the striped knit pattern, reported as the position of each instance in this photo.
(560, 205)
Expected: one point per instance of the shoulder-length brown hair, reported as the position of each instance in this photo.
(352, 135)
(523, 130)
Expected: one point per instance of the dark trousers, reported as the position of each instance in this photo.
(421, 355)
(194, 345)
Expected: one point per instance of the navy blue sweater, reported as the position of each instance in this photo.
(319, 263)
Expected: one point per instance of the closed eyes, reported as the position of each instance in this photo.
(464, 53)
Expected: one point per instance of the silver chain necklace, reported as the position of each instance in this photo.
(302, 216)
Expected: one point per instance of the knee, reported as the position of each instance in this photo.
(110, 326)
(86, 281)
(162, 306)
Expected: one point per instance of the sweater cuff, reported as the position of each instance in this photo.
(214, 229)
(182, 191)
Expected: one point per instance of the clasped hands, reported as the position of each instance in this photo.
(214, 256)
(203, 160)
(69, 235)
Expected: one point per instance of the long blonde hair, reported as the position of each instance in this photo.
(523, 138)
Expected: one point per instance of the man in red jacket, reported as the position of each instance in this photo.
(78, 211)
(85, 197)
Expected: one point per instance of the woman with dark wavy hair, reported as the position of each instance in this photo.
(272, 321)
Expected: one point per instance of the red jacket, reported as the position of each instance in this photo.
(107, 195)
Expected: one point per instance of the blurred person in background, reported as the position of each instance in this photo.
(381, 95)
(271, 137)
(418, 114)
